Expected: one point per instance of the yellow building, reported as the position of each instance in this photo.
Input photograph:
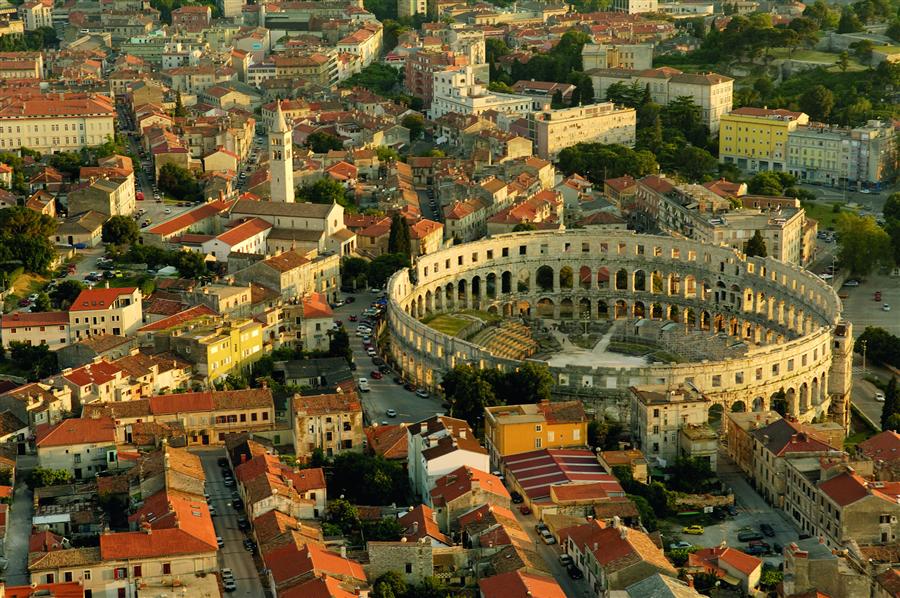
(219, 348)
(513, 429)
(56, 122)
(756, 139)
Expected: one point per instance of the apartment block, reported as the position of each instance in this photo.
(455, 90)
(216, 348)
(659, 414)
(555, 130)
(56, 122)
(330, 422)
(420, 67)
(105, 311)
(756, 139)
(40, 328)
(83, 447)
(513, 429)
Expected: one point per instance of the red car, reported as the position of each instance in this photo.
(352, 318)
(523, 509)
(375, 375)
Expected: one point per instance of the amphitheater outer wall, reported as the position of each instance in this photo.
(702, 287)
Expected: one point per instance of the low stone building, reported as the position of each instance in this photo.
(413, 560)
(330, 422)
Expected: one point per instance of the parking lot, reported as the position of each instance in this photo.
(861, 308)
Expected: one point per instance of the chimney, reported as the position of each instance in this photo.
(415, 527)
(690, 580)
(343, 552)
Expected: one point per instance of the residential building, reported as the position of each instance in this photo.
(115, 311)
(420, 525)
(216, 348)
(84, 228)
(365, 42)
(633, 7)
(462, 490)
(861, 157)
(36, 14)
(740, 444)
(884, 451)
(266, 484)
(756, 139)
(554, 130)
(192, 18)
(411, 8)
(37, 403)
(425, 236)
(455, 90)
(614, 557)
(109, 196)
(248, 236)
(519, 584)
(387, 441)
(420, 67)
(83, 447)
(330, 422)
(295, 274)
(631, 459)
(300, 226)
(206, 417)
(617, 56)
(230, 8)
(728, 563)
(711, 92)
(439, 445)
(514, 429)
(56, 122)
(99, 381)
(49, 328)
(292, 567)
(658, 416)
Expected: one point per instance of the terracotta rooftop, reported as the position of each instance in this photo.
(463, 480)
(76, 431)
(520, 584)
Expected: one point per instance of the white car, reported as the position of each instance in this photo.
(371, 352)
(227, 574)
(391, 413)
(364, 385)
(229, 585)
(851, 283)
(886, 307)
(879, 396)
(547, 537)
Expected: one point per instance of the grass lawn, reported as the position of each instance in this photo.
(449, 325)
(482, 315)
(823, 212)
(629, 348)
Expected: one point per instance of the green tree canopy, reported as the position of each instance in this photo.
(321, 142)
(42, 303)
(863, 244)
(755, 246)
(121, 230)
(325, 191)
(399, 239)
(368, 479)
(180, 183)
(596, 161)
(65, 293)
(849, 21)
(377, 77)
(891, 407)
(384, 266)
(416, 125)
(38, 360)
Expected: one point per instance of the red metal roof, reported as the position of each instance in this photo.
(94, 299)
(536, 471)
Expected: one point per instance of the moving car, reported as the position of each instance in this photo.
(886, 307)
(680, 545)
(422, 393)
(694, 530)
(879, 396)
(391, 413)
(547, 537)
(364, 385)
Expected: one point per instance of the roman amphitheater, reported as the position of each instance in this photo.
(614, 310)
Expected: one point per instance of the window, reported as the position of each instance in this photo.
(538, 428)
(537, 443)
(409, 567)
(656, 413)
(167, 568)
(120, 573)
(67, 576)
(86, 574)
(717, 380)
(137, 571)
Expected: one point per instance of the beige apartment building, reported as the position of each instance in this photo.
(110, 197)
(555, 130)
(56, 122)
(617, 56)
(105, 311)
(36, 14)
(330, 422)
(658, 416)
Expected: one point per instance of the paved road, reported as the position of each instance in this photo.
(18, 534)
(233, 555)
(550, 555)
(385, 393)
(873, 202)
(861, 308)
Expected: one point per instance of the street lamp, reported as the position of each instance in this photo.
(863, 342)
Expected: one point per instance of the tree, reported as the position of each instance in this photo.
(387, 154)
(179, 112)
(339, 344)
(863, 50)
(849, 22)
(190, 264)
(756, 246)
(893, 30)
(367, 479)
(384, 266)
(523, 226)
(41, 477)
(42, 303)
(766, 183)
(121, 230)
(557, 100)
(342, 513)
(891, 404)
(690, 474)
(416, 125)
(468, 394)
(65, 293)
(391, 584)
(354, 271)
(817, 102)
(863, 244)
(843, 61)
(38, 360)
(25, 237)
(645, 512)
(695, 163)
(321, 142)
(387, 529)
(180, 183)
(532, 383)
(326, 191)
(377, 77)
(399, 239)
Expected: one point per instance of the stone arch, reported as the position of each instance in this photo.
(492, 309)
(476, 287)
(759, 404)
(546, 308)
(815, 392)
(544, 278)
(507, 310)
(705, 291)
(714, 416)
(738, 407)
(566, 309)
(461, 286)
(640, 280)
(690, 318)
(656, 282)
(790, 397)
(621, 309)
(506, 282)
(622, 280)
(448, 295)
(656, 311)
(690, 286)
(584, 278)
(602, 310)
(705, 320)
(490, 286)
(524, 308)
(523, 281)
(804, 398)
(429, 306)
(603, 278)
(639, 310)
(566, 277)
(674, 314)
(674, 284)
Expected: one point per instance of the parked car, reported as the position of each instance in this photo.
(422, 393)
(747, 536)
(516, 497)
(680, 545)
(851, 283)
(767, 529)
(886, 307)
(352, 318)
(574, 572)
(732, 510)
(243, 524)
(879, 396)
(222, 461)
(410, 387)
(565, 560)
(364, 385)
(694, 530)
(756, 550)
(377, 361)
(237, 504)
(547, 537)
(391, 413)
(220, 542)
(376, 375)
(523, 509)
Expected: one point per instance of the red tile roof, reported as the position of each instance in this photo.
(303, 480)
(882, 447)
(520, 584)
(463, 480)
(845, 489)
(734, 558)
(186, 219)
(94, 299)
(315, 305)
(419, 523)
(93, 373)
(173, 523)
(321, 587)
(423, 228)
(41, 318)
(44, 541)
(388, 441)
(192, 313)
(76, 431)
(63, 589)
(187, 402)
(244, 230)
(288, 562)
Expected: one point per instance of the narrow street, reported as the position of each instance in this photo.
(18, 532)
(233, 555)
(550, 554)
